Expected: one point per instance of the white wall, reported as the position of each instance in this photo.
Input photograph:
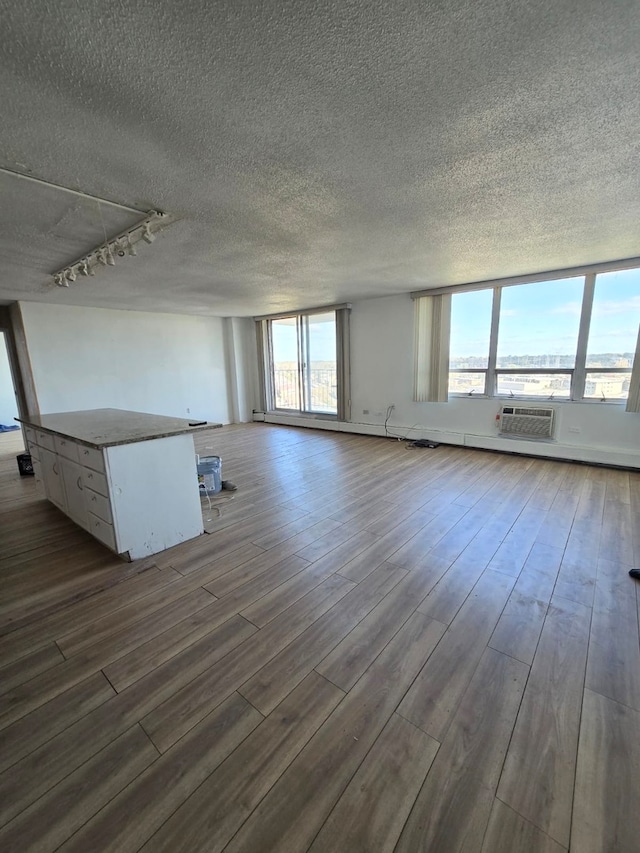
(382, 335)
(89, 358)
(8, 407)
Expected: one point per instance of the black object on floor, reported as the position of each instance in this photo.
(635, 573)
(25, 465)
(423, 442)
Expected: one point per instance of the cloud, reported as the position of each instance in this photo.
(573, 308)
(609, 307)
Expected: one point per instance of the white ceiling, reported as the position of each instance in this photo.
(316, 152)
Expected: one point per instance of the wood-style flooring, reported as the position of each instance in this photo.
(376, 649)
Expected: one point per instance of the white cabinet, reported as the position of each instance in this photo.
(137, 498)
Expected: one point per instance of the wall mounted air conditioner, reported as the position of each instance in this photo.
(527, 421)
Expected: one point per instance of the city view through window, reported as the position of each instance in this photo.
(537, 338)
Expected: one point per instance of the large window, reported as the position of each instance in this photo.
(305, 360)
(571, 338)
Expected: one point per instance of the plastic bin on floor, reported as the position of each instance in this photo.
(25, 465)
(209, 475)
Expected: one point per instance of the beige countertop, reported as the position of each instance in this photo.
(109, 427)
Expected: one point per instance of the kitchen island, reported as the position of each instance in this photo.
(128, 478)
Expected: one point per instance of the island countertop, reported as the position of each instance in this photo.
(101, 428)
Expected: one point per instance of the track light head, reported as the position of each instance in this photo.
(84, 267)
(71, 274)
(110, 259)
(147, 235)
(130, 247)
(102, 257)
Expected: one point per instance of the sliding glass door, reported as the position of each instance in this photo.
(304, 368)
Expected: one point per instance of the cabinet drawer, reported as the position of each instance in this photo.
(95, 481)
(45, 439)
(102, 531)
(98, 505)
(30, 435)
(90, 457)
(67, 448)
(34, 450)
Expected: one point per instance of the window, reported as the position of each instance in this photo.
(612, 335)
(470, 336)
(538, 338)
(305, 362)
(569, 338)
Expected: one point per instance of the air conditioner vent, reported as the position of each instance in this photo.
(527, 422)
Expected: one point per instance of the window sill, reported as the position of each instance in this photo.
(541, 400)
(295, 413)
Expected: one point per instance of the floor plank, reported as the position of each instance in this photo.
(453, 807)
(129, 819)
(291, 814)
(64, 809)
(434, 696)
(213, 814)
(605, 812)
(374, 807)
(613, 663)
(539, 771)
(509, 831)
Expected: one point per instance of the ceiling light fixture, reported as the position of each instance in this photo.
(122, 244)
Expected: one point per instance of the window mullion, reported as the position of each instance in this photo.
(580, 373)
(301, 345)
(490, 380)
(270, 390)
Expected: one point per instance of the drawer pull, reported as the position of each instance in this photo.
(79, 483)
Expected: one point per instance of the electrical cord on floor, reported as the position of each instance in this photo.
(387, 431)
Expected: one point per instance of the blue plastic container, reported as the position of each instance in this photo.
(209, 475)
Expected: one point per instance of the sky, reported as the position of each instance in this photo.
(533, 314)
(322, 335)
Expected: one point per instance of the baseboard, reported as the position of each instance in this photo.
(544, 450)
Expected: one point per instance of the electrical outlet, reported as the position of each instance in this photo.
(574, 430)
(188, 411)
(365, 411)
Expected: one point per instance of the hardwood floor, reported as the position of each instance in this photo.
(375, 649)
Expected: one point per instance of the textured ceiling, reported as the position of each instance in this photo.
(316, 152)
